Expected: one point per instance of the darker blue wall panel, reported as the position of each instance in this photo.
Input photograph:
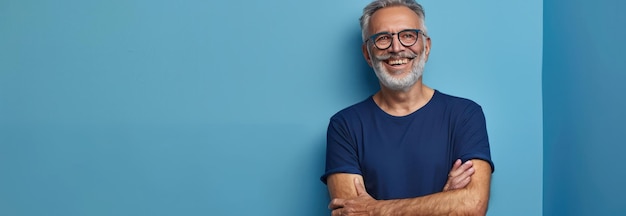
(584, 103)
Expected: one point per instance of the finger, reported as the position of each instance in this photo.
(464, 183)
(336, 204)
(336, 212)
(453, 172)
(461, 184)
(360, 189)
(463, 168)
(468, 164)
(456, 168)
(466, 174)
(457, 164)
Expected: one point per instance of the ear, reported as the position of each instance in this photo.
(366, 54)
(427, 47)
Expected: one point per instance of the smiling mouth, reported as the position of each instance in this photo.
(395, 62)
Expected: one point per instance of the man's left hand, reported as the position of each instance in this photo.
(363, 204)
(460, 175)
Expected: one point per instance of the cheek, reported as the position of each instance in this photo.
(417, 49)
(377, 53)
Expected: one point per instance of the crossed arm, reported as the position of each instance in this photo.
(461, 196)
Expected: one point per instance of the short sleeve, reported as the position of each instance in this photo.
(471, 140)
(341, 150)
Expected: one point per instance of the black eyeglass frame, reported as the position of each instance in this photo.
(373, 38)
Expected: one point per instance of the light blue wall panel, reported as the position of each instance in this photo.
(220, 108)
(490, 51)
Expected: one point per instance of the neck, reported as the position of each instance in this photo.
(402, 103)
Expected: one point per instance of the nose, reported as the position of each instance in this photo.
(396, 46)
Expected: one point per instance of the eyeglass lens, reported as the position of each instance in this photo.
(406, 38)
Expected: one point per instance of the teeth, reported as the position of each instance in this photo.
(398, 61)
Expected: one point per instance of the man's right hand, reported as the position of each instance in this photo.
(460, 175)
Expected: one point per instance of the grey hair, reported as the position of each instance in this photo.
(376, 5)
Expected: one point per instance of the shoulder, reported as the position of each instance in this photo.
(456, 103)
(356, 110)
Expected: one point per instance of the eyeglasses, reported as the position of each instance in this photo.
(407, 38)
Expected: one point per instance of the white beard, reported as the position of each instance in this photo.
(399, 84)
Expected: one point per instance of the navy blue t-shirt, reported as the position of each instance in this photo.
(407, 156)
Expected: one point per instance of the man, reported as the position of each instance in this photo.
(400, 151)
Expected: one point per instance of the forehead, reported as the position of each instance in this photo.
(393, 19)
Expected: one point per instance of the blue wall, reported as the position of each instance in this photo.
(583, 86)
(195, 108)
(490, 51)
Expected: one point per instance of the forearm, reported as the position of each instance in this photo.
(471, 200)
(455, 202)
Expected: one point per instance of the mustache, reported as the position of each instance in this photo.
(408, 54)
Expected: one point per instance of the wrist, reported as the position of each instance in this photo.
(383, 207)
